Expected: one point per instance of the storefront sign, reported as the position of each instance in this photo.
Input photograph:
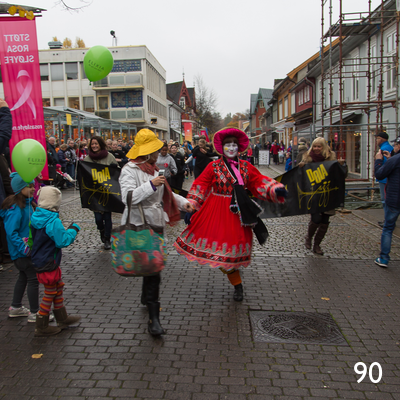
(263, 157)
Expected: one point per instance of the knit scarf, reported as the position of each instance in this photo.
(169, 202)
(241, 204)
(99, 155)
(316, 157)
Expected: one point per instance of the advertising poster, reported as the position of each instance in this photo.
(20, 72)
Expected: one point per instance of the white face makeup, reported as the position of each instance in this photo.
(231, 149)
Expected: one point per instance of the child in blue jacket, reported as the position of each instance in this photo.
(16, 210)
(48, 238)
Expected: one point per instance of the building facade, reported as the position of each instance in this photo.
(134, 91)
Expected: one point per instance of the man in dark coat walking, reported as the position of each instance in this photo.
(390, 170)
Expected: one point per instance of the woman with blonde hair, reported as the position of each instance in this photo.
(319, 223)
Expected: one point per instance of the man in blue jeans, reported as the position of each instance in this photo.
(383, 144)
(390, 170)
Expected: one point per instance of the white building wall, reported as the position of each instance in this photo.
(63, 91)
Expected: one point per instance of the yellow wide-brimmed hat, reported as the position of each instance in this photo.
(146, 142)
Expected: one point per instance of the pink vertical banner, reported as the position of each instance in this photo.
(203, 132)
(187, 127)
(20, 71)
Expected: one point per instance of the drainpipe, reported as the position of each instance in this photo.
(312, 132)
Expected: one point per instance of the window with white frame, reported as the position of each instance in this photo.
(374, 70)
(286, 110)
(280, 110)
(355, 80)
(182, 102)
(391, 64)
(261, 104)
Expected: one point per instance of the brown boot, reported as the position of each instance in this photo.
(323, 228)
(63, 319)
(312, 227)
(43, 328)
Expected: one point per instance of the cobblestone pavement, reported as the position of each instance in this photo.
(209, 351)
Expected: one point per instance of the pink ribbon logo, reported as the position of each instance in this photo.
(25, 93)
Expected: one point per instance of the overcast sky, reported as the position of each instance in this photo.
(235, 46)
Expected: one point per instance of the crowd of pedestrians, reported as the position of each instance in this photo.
(221, 217)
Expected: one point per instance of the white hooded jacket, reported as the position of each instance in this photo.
(133, 178)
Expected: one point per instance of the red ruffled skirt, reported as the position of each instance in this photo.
(216, 237)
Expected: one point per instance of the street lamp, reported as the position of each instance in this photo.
(114, 40)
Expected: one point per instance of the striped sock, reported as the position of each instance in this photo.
(59, 299)
(50, 293)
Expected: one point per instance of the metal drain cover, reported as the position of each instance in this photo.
(295, 327)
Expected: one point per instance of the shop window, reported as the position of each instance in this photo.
(73, 102)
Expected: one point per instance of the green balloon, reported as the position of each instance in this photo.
(28, 158)
(98, 63)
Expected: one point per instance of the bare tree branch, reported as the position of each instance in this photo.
(206, 104)
(67, 7)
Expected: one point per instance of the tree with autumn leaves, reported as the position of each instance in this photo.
(232, 121)
(67, 43)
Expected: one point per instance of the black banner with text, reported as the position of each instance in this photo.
(99, 187)
(314, 188)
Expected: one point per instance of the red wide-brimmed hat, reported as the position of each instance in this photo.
(243, 140)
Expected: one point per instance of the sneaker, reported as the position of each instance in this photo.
(381, 223)
(381, 263)
(18, 312)
(32, 317)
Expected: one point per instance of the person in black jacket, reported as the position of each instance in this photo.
(52, 157)
(390, 170)
(5, 181)
(177, 180)
(202, 154)
(118, 154)
(70, 158)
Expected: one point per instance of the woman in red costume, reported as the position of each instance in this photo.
(220, 233)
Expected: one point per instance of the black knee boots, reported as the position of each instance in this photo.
(312, 227)
(322, 229)
(150, 291)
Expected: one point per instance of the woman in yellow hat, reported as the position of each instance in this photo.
(160, 205)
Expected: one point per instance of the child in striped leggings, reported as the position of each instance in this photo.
(48, 238)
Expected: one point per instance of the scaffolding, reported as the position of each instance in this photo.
(359, 27)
